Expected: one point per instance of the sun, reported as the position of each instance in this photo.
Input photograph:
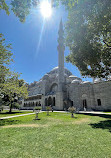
(46, 9)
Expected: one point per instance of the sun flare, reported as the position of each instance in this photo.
(46, 9)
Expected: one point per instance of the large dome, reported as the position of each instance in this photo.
(55, 70)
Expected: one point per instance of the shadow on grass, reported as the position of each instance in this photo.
(106, 124)
(102, 124)
(8, 122)
(100, 115)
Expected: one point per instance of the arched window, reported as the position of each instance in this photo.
(99, 102)
(54, 88)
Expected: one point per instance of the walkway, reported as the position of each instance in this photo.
(81, 112)
(94, 112)
(7, 117)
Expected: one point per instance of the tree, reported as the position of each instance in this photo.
(72, 110)
(88, 36)
(4, 6)
(5, 58)
(37, 110)
(21, 8)
(13, 89)
(48, 108)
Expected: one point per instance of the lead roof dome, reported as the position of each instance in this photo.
(55, 70)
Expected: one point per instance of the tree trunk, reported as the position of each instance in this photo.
(10, 111)
(48, 113)
(36, 116)
(72, 115)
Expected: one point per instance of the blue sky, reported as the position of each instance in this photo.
(34, 43)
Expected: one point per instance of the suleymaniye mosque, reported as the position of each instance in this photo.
(61, 89)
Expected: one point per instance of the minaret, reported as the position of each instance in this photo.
(61, 49)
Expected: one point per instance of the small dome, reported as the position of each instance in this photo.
(72, 77)
(46, 77)
(75, 81)
(85, 82)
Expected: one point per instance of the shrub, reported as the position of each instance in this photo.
(72, 110)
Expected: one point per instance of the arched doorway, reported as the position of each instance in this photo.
(49, 101)
(84, 104)
(53, 101)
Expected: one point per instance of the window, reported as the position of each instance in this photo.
(99, 102)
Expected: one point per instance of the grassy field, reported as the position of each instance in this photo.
(56, 136)
(5, 113)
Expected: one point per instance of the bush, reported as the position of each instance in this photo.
(72, 110)
(48, 108)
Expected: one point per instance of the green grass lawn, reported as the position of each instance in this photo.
(56, 136)
(5, 113)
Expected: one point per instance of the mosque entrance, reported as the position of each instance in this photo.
(50, 101)
(84, 104)
(54, 101)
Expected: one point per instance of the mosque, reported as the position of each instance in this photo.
(61, 89)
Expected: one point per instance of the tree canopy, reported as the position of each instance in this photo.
(10, 86)
(88, 36)
(12, 90)
(5, 58)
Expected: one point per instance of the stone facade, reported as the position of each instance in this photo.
(82, 95)
(60, 89)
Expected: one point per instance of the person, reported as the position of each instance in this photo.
(51, 108)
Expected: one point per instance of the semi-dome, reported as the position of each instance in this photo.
(55, 70)
(76, 81)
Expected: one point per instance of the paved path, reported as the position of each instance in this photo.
(94, 112)
(85, 112)
(7, 117)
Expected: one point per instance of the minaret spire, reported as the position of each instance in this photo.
(61, 49)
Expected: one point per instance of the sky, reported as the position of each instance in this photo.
(34, 43)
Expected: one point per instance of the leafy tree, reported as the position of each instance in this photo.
(4, 6)
(88, 36)
(10, 86)
(5, 58)
(48, 108)
(37, 110)
(21, 8)
(72, 110)
(13, 89)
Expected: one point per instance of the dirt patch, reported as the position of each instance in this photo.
(84, 120)
(52, 122)
(24, 125)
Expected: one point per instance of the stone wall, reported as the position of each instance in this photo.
(91, 93)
